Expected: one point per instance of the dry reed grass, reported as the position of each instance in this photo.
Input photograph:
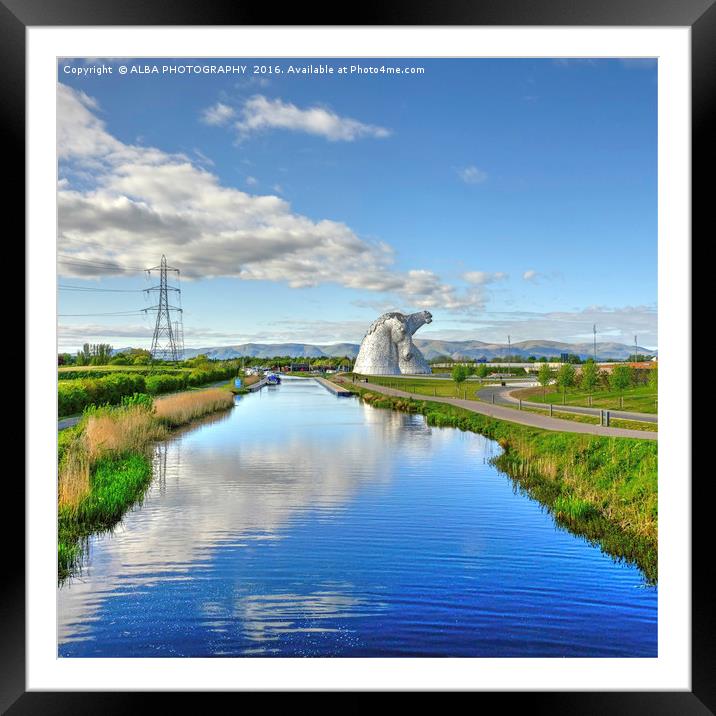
(106, 432)
(120, 431)
(181, 408)
(74, 475)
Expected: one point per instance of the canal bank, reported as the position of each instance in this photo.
(104, 462)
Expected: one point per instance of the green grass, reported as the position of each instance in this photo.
(116, 483)
(121, 369)
(602, 488)
(431, 387)
(591, 419)
(641, 399)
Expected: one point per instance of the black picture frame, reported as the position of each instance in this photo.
(699, 15)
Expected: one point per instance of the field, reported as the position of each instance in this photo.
(432, 387)
(641, 399)
(120, 369)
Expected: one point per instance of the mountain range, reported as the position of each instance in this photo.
(429, 348)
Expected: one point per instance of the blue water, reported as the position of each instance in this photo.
(301, 524)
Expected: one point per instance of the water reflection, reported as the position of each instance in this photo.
(304, 524)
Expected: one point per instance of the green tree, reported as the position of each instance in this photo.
(459, 375)
(654, 378)
(621, 378)
(589, 378)
(566, 376)
(544, 376)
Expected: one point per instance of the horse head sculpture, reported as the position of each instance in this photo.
(388, 349)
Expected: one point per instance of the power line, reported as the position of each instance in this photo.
(100, 290)
(116, 313)
(95, 263)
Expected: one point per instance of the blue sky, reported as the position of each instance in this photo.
(505, 196)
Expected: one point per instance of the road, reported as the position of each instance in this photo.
(535, 420)
(503, 397)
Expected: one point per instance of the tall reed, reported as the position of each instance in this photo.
(174, 410)
(103, 432)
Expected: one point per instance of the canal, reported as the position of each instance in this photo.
(303, 524)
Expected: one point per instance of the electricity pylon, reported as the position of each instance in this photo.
(165, 345)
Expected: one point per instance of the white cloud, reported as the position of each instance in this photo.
(252, 181)
(79, 132)
(218, 114)
(260, 113)
(480, 278)
(136, 203)
(538, 277)
(472, 175)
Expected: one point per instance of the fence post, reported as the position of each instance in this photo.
(520, 403)
(607, 418)
(550, 410)
(601, 416)
(493, 397)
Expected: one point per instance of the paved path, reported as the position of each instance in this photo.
(68, 422)
(511, 415)
(504, 396)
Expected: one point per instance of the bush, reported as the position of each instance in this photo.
(165, 383)
(78, 389)
(73, 396)
(138, 399)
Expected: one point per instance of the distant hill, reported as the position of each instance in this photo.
(429, 348)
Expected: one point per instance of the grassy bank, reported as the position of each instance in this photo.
(604, 489)
(432, 387)
(105, 462)
(640, 399)
(590, 419)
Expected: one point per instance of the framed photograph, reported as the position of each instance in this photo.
(348, 350)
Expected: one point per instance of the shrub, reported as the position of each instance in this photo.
(156, 384)
(138, 399)
(75, 395)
